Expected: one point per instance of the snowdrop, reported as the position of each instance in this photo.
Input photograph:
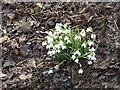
(73, 57)
(66, 38)
(80, 71)
(93, 36)
(50, 39)
(84, 45)
(83, 33)
(77, 60)
(90, 43)
(44, 43)
(50, 71)
(63, 47)
(92, 49)
(68, 41)
(77, 53)
(77, 37)
(89, 29)
(89, 62)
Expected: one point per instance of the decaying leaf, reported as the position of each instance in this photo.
(2, 39)
(8, 63)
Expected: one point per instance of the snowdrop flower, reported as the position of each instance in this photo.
(93, 58)
(49, 53)
(57, 46)
(83, 33)
(92, 49)
(80, 71)
(61, 42)
(50, 33)
(89, 29)
(50, 71)
(77, 53)
(77, 37)
(73, 57)
(90, 43)
(93, 36)
(63, 47)
(66, 38)
(49, 46)
(53, 52)
(76, 60)
(89, 62)
(84, 45)
(50, 39)
(68, 41)
(58, 51)
(44, 43)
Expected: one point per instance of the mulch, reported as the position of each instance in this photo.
(24, 58)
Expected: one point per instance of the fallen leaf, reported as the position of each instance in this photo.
(2, 39)
(2, 75)
(23, 77)
(8, 63)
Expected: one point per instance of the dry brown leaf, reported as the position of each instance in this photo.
(2, 39)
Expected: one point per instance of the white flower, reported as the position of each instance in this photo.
(84, 45)
(44, 43)
(90, 43)
(49, 46)
(89, 62)
(80, 71)
(83, 33)
(57, 46)
(66, 38)
(73, 57)
(50, 33)
(93, 58)
(58, 28)
(92, 49)
(89, 29)
(77, 37)
(63, 47)
(50, 71)
(50, 39)
(93, 36)
(68, 41)
(76, 60)
(61, 42)
(49, 53)
(77, 53)
(58, 51)
(60, 37)
(53, 52)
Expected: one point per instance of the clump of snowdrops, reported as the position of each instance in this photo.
(66, 43)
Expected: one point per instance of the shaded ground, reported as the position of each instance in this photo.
(25, 61)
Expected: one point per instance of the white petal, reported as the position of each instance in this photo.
(44, 43)
(84, 45)
(89, 29)
(76, 60)
(92, 49)
(93, 58)
(93, 36)
(80, 71)
(73, 57)
(90, 43)
(83, 33)
(89, 62)
(50, 71)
